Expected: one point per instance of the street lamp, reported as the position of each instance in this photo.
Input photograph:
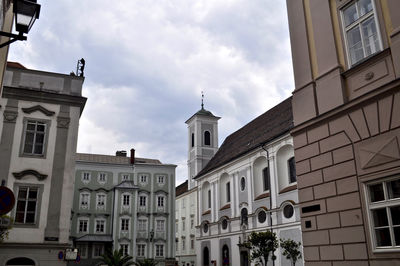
(25, 12)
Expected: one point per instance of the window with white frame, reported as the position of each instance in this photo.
(361, 31)
(160, 225)
(125, 249)
(383, 198)
(160, 201)
(100, 226)
(83, 225)
(126, 200)
(34, 138)
(26, 208)
(141, 250)
(84, 201)
(82, 250)
(102, 178)
(159, 250)
(161, 179)
(101, 201)
(191, 242)
(142, 224)
(98, 250)
(143, 179)
(86, 177)
(124, 224)
(142, 201)
(125, 177)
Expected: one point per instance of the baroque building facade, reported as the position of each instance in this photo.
(39, 128)
(124, 203)
(346, 108)
(248, 185)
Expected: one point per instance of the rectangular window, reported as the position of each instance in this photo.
(191, 243)
(191, 223)
(228, 192)
(183, 243)
(125, 249)
(142, 224)
(83, 225)
(384, 213)
(100, 226)
(143, 179)
(101, 200)
(160, 201)
(159, 250)
(34, 141)
(86, 177)
(82, 250)
(126, 200)
(142, 201)
(183, 224)
(292, 170)
(360, 30)
(141, 250)
(102, 178)
(98, 250)
(124, 224)
(125, 177)
(266, 178)
(160, 225)
(161, 179)
(26, 205)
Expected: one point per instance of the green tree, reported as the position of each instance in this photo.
(262, 245)
(146, 262)
(116, 258)
(291, 250)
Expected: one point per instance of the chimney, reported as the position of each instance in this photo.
(120, 153)
(132, 156)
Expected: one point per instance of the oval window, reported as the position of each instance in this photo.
(224, 224)
(205, 228)
(262, 216)
(242, 183)
(288, 211)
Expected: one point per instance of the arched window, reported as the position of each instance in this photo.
(207, 138)
(225, 255)
(192, 139)
(206, 257)
(243, 216)
(21, 261)
(266, 179)
(292, 170)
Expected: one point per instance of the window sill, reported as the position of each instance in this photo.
(365, 62)
(289, 188)
(227, 206)
(262, 196)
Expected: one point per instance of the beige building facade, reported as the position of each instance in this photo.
(346, 110)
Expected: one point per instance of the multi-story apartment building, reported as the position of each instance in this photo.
(185, 223)
(39, 128)
(124, 203)
(248, 185)
(346, 109)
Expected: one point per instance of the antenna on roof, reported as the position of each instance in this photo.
(202, 100)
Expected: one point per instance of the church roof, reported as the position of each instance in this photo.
(203, 112)
(263, 129)
(182, 188)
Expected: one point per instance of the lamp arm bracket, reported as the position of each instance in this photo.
(19, 37)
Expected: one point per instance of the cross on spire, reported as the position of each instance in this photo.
(202, 100)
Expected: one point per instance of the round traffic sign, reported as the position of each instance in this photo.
(7, 200)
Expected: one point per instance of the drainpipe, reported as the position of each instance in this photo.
(270, 198)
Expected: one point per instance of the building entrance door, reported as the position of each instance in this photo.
(244, 258)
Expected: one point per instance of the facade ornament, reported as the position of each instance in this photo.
(35, 173)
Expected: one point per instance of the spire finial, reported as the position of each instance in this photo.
(202, 100)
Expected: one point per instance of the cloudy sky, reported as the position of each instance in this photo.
(147, 62)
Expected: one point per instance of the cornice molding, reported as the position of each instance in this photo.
(24, 173)
(38, 108)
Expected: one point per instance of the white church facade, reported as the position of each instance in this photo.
(248, 184)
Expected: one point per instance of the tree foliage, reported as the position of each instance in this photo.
(262, 245)
(116, 258)
(291, 250)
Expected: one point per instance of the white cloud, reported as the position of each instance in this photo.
(148, 61)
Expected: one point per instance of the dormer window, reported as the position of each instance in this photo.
(207, 138)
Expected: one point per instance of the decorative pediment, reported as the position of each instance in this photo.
(35, 173)
(38, 108)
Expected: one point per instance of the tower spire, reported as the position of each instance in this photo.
(202, 100)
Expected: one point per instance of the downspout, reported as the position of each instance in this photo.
(270, 199)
